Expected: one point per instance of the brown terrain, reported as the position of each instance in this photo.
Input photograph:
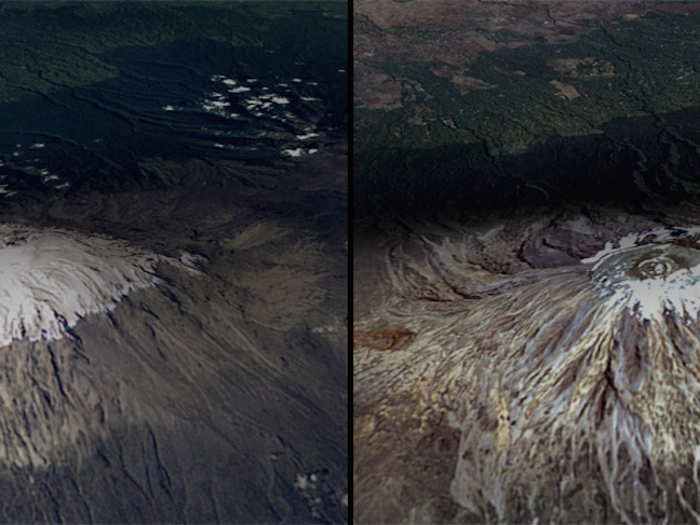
(444, 429)
(463, 30)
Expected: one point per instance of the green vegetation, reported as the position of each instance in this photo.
(629, 135)
(655, 73)
(49, 46)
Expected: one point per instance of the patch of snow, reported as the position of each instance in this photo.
(303, 482)
(51, 278)
(671, 279)
(292, 152)
(490, 232)
(307, 136)
(191, 261)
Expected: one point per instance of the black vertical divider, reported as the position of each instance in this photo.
(350, 201)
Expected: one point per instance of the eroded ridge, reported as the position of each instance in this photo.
(573, 388)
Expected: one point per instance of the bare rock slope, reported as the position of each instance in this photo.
(204, 389)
